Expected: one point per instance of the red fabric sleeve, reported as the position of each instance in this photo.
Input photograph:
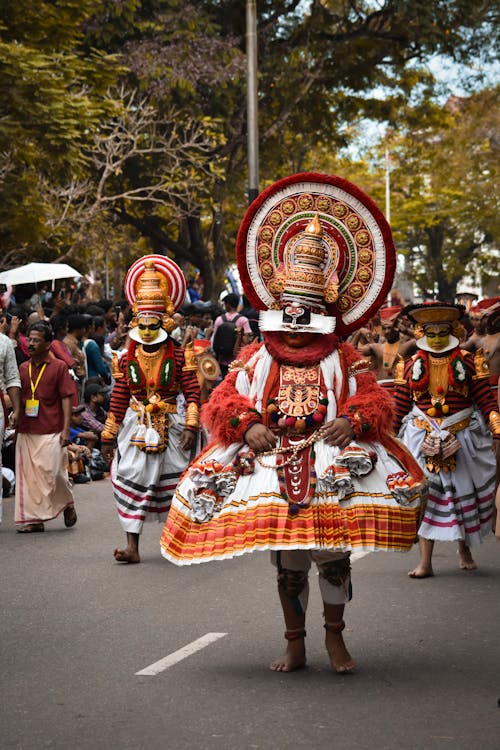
(403, 401)
(481, 392)
(228, 414)
(370, 409)
(120, 395)
(190, 386)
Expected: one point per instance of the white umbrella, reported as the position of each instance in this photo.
(33, 273)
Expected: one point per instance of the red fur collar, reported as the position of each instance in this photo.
(318, 349)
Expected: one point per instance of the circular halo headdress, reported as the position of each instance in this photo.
(315, 253)
(154, 287)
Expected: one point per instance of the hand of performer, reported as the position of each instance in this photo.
(107, 451)
(339, 432)
(260, 438)
(187, 440)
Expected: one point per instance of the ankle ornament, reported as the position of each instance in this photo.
(294, 635)
(334, 627)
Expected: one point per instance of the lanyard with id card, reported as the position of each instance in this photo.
(33, 404)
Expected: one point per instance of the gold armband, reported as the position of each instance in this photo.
(361, 366)
(193, 416)
(115, 367)
(494, 423)
(189, 358)
(399, 370)
(480, 365)
(110, 430)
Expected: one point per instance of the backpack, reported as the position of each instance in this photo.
(225, 338)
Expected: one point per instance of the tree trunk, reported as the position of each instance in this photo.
(446, 288)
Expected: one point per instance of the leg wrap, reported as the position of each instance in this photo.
(292, 582)
(336, 572)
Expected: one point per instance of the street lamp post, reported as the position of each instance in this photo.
(252, 123)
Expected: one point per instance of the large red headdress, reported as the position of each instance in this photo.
(315, 253)
(154, 287)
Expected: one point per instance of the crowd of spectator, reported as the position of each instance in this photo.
(87, 334)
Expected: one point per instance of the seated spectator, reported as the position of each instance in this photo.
(78, 455)
(8, 481)
(94, 413)
(77, 433)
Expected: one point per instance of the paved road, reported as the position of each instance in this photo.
(76, 628)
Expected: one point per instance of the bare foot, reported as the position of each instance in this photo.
(421, 571)
(293, 658)
(127, 555)
(340, 658)
(465, 560)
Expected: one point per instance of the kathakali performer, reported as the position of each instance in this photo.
(446, 416)
(301, 460)
(153, 419)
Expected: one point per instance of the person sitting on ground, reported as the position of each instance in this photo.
(78, 457)
(94, 414)
(77, 433)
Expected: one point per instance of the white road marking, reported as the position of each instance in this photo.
(180, 654)
(205, 640)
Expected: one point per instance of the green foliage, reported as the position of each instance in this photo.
(89, 91)
(444, 192)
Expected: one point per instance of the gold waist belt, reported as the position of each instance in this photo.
(423, 424)
(163, 407)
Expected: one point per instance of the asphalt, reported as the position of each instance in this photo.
(76, 627)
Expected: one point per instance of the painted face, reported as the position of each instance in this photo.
(149, 328)
(437, 337)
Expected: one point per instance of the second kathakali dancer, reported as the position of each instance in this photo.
(153, 418)
(301, 460)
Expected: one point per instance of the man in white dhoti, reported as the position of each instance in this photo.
(43, 490)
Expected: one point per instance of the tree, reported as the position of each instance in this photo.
(51, 101)
(444, 194)
(317, 74)
(322, 66)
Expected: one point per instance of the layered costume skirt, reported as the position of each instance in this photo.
(229, 503)
(460, 501)
(143, 483)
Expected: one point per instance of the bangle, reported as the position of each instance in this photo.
(192, 416)
(110, 430)
(358, 424)
(494, 423)
(236, 420)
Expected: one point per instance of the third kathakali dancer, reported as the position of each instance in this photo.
(301, 460)
(446, 415)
